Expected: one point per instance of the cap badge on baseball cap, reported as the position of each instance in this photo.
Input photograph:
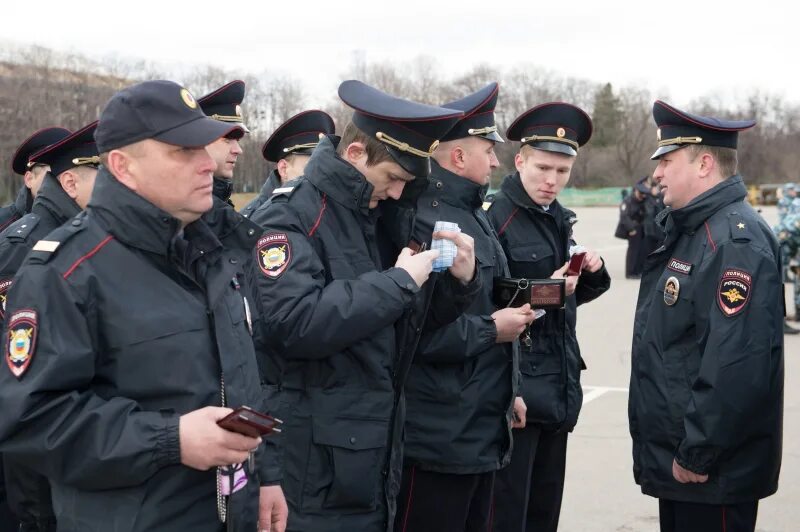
(188, 99)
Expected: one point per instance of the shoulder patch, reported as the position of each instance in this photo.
(282, 190)
(5, 284)
(734, 291)
(23, 327)
(20, 229)
(273, 253)
(741, 229)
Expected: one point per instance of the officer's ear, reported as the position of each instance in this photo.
(67, 180)
(120, 163)
(283, 164)
(355, 152)
(708, 165)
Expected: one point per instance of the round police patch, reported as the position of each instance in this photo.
(274, 254)
(734, 291)
(188, 99)
(21, 341)
(672, 288)
(5, 284)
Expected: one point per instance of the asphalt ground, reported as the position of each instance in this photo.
(600, 494)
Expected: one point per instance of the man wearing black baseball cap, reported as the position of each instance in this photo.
(130, 338)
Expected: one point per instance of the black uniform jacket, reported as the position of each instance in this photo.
(132, 324)
(536, 243)
(28, 491)
(273, 181)
(346, 323)
(14, 211)
(461, 388)
(707, 361)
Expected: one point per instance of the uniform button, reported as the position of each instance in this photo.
(202, 252)
(410, 286)
(165, 219)
(434, 203)
(353, 440)
(250, 232)
(439, 184)
(76, 222)
(418, 329)
(233, 261)
(533, 255)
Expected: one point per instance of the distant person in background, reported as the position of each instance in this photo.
(788, 194)
(630, 227)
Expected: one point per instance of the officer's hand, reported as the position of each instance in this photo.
(511, 322)
(572, 280)
(418, 265)
(684, 476)
(272, 509)
(632, 232)
(520, 410)
(463, 267)
(204, 444)
(592, 262)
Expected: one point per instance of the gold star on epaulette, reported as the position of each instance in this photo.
(740, 225)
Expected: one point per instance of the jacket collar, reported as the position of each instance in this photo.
(273, 181)
(138, 223)
(337, 178)
(513, 189)
(24, 201)
(687, 219)
(231, 227)
(223, 188)
(54, 201)
(455, 190)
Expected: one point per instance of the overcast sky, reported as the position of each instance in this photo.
(680, 49)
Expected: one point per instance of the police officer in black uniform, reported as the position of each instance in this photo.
(33, 174)
(239, 236)
(225, 105)
(706, 393)
(462, 385)
(536, 233)
(128, 338)
(65, 190)
(346, 312)
(290, 147)
(632, 214)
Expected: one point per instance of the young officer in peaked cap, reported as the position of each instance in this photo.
(535, 231)
(64, 192)
(707, 430)
(462, 384)
(345, 311)
(32, 173)
(129, 338)
(290, 147)
(225, 105)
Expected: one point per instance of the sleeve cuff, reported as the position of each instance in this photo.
(168, 443)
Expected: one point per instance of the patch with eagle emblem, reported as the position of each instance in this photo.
(273, 253)
(23, 326)
(734, 291)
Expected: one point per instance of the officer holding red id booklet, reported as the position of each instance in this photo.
(535, 231)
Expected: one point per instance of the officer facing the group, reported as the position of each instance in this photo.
(632, 212)
(462, 385)
(706, 392)
(345, 311)
(535, 231)
(128, 337)
(64, 192)
(225, 105)
(32, 173)
(290, 147)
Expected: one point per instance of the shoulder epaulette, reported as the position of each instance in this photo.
(47, 248)
(19, 230)
(740, 227)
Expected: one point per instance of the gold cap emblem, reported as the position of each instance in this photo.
(188, 99)
(560, 132)
(239, 110)
(658, 134)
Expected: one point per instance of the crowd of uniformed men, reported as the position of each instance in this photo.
(140, 308)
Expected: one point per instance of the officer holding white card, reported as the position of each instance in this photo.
(461, 388)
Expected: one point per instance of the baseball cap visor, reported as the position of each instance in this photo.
(196, 133)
